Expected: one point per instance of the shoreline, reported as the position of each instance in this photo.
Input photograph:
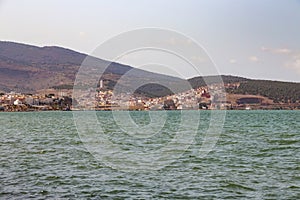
(45, 111)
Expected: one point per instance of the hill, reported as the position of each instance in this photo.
(27, 68)
(200, 81)
(278, 91)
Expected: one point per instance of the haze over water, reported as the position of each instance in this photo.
(256, 157)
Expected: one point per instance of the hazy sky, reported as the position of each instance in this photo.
(251, 38)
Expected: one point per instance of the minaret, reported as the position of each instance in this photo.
(101, 84)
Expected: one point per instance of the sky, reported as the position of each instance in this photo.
(257, 39)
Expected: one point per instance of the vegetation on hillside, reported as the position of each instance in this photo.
(153, 90)
(277, 91)
(200, 81)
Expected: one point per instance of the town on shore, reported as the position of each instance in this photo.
(104, 99)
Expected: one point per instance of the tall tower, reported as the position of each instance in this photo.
(101, 84)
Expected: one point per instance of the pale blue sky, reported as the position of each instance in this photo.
(256, 39)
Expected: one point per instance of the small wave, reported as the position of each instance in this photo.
(232, 185)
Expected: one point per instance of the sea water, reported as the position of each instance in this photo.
(43, 155)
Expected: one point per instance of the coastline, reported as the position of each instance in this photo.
(145, 110)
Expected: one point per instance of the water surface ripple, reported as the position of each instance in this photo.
(256, 157)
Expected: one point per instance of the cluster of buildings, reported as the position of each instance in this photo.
(208, 97)
(13, 101)
(191, 99)
(104, 99)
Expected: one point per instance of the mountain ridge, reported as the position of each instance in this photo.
(28, 68)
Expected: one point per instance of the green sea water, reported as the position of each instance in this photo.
(257, 156)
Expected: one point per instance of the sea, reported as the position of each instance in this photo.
(230, 154)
